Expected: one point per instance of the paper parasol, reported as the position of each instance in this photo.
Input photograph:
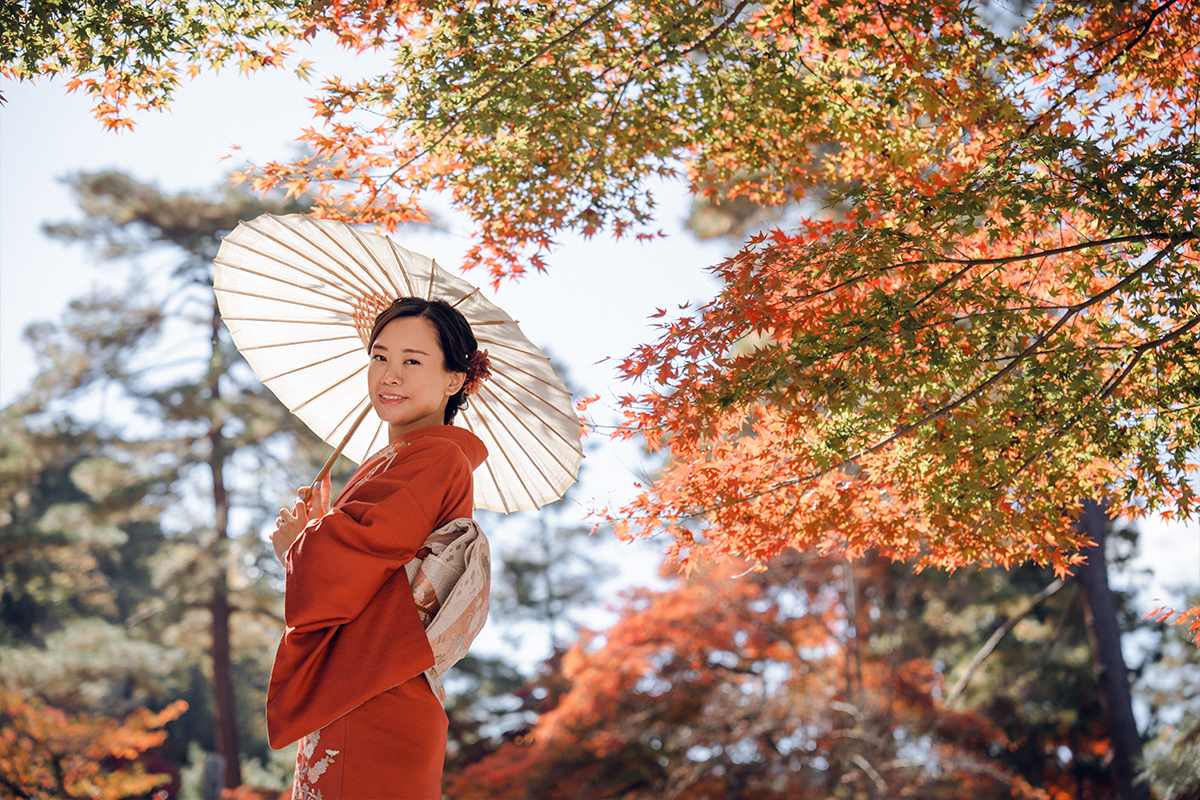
(300, 295)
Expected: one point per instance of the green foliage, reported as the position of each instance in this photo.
(125, 52)
(78, 525)
(1173, 760)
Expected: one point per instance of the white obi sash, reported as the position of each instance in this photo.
(451, 584)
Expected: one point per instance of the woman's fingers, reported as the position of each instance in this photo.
(285, 533)
(288, 526)
(292, 521)
(321, 498)
(300, 512)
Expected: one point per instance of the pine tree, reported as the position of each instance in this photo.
(215, 451)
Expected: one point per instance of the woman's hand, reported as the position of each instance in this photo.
(292, 522)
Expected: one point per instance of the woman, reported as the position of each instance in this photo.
(348, 679)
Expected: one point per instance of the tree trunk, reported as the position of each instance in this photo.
(1108, 662)
(228, 742)
(225, 705)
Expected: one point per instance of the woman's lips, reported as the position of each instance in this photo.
(390, 399)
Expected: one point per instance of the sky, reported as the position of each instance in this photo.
(593, 305)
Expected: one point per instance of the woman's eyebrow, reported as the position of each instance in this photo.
(384, 348)
(402, 350)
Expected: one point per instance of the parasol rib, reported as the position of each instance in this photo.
(348, 274)
(514, 348)
(371, 253)
(312, 364)
(287, 321)
(294, 342)
(350, 413)
(467, 296)
(521, 422)
(473, 293)
(374, 278)
(527, 373)
(404, 273)
(503, 452)
(378, 432)
(269, 257)
(328, 389)
(549, 482)
(278, 279)
(280, 300)
(347, 277)
(488, 466)
(551, 407)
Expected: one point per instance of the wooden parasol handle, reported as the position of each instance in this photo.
(324, 473)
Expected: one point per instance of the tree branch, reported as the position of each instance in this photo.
(715, 32)
(1000, 633)
(1143, 30)
(871, 772)
(1110, 386)
(969, 263)
(949, 407)
(1017, 360)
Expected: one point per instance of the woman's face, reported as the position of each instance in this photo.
(407, 378)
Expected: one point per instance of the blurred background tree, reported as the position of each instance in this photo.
(158, 457)
(820, 678)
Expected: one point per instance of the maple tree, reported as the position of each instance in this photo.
(47, 752)
(995, 319)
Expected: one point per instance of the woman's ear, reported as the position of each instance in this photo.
(457, 379)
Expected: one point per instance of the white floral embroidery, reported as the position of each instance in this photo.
(308, 773)
(308, 745)
(318, 769)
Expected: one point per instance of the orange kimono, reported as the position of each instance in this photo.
(347, 675)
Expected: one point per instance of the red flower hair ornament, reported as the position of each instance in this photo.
(478, 370)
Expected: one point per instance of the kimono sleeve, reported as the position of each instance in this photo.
(341, 561)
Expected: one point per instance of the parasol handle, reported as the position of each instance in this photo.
(324, 473)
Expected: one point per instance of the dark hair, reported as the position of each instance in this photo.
(454, 335)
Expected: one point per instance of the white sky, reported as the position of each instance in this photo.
(593, 304)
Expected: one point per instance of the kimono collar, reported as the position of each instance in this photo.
(469, 443)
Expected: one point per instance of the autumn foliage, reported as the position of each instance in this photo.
(772, 685)
(807, 680)
(1000, 321)
(822, 677)
(46, 752)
